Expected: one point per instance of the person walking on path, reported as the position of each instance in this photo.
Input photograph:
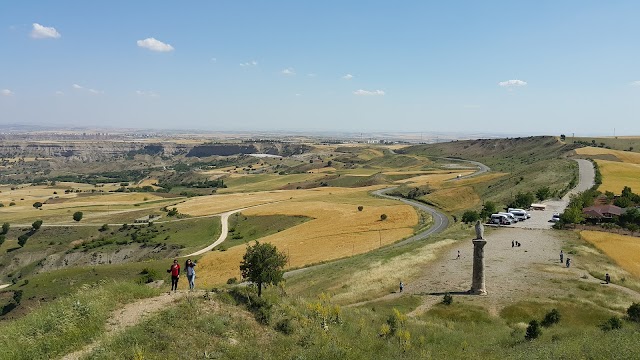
(401, 286)
(513, 243)
(607, 278)
(561, 257)
(458, 258)
(175, 275)
(568, 262)
(189, 267)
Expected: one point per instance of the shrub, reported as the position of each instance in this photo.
(360, 208)
(613, 323)
(2, 239)
(104, 227)
(12, 204)
(552, 317)
(148, 276)
(77, 216)
(22, 240)
(233, 280)
(383, 217)
(533, 330)
(5, 228)
(470, 216)
(447, 299)
(37, 204)
(285, 326)
(36, 224)
(633, 312)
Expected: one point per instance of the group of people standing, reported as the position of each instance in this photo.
(175, 274)
(568, 262)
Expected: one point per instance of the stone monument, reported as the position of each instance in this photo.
(477, 280)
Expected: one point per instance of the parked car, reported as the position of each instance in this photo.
(555, 217)
(520, 214)
(510, 216)
(500, 219)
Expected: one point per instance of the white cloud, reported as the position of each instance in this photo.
(146, 93)
(348, 77)
(92, 91)
(635, 83)
(6, 92)
(298, 94)
(44, 32)
(214, 60)
(288, 71)
(510, 84)
(154, 45)
(59, 92)
(249, 63)
(368, 92)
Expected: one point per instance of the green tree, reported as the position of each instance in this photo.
(36, 224)
(22, 239)
(263, 264)
(5, 228)
(383, 217)
(622, 202)
(77, 216)
(37, 204)
(2, 239)
(543, 193)
(572, 215)
(487, 209)
(470, 216)
(633, 312)
(522, 200)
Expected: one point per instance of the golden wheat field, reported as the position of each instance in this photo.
(624, 156)
(624, 250)
(617, 175)
(337, 230)
(434, 180)
(454, 199)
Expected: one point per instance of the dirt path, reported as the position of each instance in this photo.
(129, 315)
(4, 286)
(224, 232)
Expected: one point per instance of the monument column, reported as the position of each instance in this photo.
(477, 279)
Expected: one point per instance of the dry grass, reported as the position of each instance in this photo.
(215, 204)
(454, 199)
(433, 180)
(337, 230)
(624, 250)
(624, 156)
(382, 275)
(617, 175)
(474, 180)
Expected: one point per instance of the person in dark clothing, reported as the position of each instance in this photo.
(175, 275)
(401, 286)
(513, 243)
(561, 257)
(607, 278)
(189, 267)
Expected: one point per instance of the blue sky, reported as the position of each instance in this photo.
(458, 66)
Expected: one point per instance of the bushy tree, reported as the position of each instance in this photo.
(77, 216)
(263, 264)
(572, 215)
(2, 239)
(470, 216)
(543, 193)
(383, 217)
(360, 208)
(22, 240)
(5, 228)
(37, 204)
(522, 200)
(552, 317)
(487, 209)
(36, 224)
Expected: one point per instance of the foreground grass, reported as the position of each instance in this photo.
(221, 328)
(66, 324)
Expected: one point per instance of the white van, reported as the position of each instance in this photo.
(520, 214)
(510, 216)
(500, 219)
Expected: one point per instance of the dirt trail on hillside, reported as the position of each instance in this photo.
(130, 315)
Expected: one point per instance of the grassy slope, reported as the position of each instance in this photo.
(243, 229)
(530, 162)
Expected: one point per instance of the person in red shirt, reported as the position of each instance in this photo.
(175, 275)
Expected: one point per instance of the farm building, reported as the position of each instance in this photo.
(602, 211)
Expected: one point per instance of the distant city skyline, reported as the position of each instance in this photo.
(494, 67)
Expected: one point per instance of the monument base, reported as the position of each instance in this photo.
(477, 292)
